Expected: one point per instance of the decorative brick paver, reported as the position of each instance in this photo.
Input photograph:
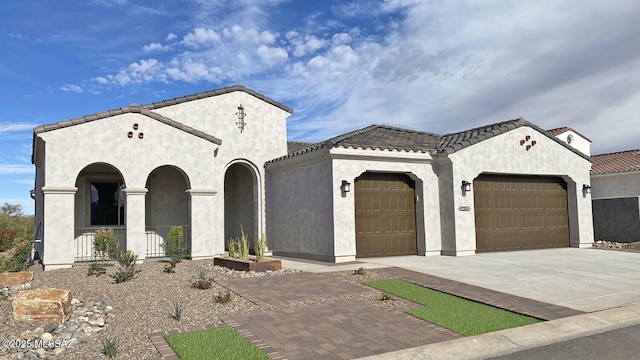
(322, 316)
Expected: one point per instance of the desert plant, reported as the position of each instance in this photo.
(96, 269)
(174, 247)
(17, 258)
(105, 245)
(127, 271)
(261, 247)
(176, 310)
(233, 247)
(243, 245)
(360, 271)
(111, 347)
(386, 297)
(202, 282)
(224, 298)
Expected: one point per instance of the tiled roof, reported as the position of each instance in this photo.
(379, 137)
(129, 109)
(390, 138)
(616, 163)
(564, 129)
(146, 110)
(293, 146)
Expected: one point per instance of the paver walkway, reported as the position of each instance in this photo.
(323, 316)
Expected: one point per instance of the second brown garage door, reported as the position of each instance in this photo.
(385, 215)
(520, 212)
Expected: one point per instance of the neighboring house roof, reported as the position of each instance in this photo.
(564, 129)
(293, 146)
(616, 163)
(129, 109)
(391, 138)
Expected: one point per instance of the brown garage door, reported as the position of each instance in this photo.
(520, 212)
(385, 215)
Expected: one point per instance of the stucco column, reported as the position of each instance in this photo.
(58, 226)
(203, 242)
(136, 239)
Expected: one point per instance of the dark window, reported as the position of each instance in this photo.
(104, 204)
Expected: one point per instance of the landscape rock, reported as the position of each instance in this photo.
(14, 279)
(44, 305)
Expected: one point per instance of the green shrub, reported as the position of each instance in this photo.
(174, 247)
(17, 258)
(96, 269)
(111, 347)
(233, 247)
(202, 282)
(177, 308)
(105, 245)
(13, 225)
(243, 245)
(261, 247)
(127, 271)
(224, 299)
(360, 271)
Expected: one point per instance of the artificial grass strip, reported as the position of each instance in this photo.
(463, 316)
(220, 343)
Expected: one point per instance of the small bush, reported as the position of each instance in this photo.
(224, 299)
(96, 269)
(174, 247)
(17, 258)
(233, 247)
(261, 247)
(243, 245)
(360, 271)
(111, 347)
(202, 282)
(177, 308)
(386, 297)
(105, 245)
(127, 271)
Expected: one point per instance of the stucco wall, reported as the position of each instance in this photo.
(614, 186)
(299, 207)
(617, 219)
(577, 142)
(503, 154)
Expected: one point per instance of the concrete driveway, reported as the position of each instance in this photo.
(582, 279)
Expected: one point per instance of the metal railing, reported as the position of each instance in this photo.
(83, 241)
(156, 236)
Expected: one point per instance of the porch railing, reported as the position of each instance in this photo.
(83, 241)
(156, 236)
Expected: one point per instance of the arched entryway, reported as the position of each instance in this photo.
(166, 205)
(99, 203)
(241, 202)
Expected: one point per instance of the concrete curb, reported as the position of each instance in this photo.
(508, 341)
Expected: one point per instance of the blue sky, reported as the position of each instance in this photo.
(438, 66)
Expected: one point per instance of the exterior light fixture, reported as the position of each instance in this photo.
(346, 186)
(586, 189)
(241, 114)
(466, 186)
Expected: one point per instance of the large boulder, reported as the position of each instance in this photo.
(14, 279)
(43, 305)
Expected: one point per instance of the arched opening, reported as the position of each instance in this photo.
(166, 205)
(99, 203)
(240, 203)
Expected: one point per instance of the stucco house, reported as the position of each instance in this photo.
(615, 181)
(218, 160)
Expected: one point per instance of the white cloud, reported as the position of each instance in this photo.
(101, 80)
(140, 72)
(71, 88)
(307, 45)
(14, 169)
(16, 126)
(272, 55)
(171, 37)
(155, 47)
(201, 37)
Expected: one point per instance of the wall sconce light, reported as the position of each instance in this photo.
(241, 114)
(586, 189)
(466, 186)
(346, 186)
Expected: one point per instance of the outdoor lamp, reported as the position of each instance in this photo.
(466, 186)
(586, 189)
(241, 114)
(346, 186)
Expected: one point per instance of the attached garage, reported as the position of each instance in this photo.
(385, 215)
(520, 212)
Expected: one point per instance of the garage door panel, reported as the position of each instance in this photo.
(386, 228)
(520, 212)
